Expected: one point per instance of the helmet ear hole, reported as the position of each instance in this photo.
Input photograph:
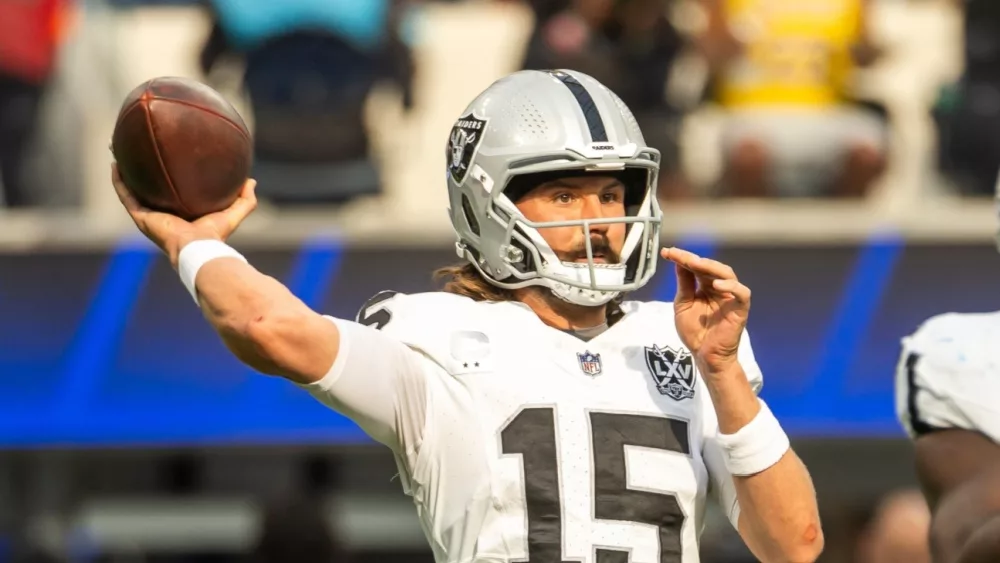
(470, 215)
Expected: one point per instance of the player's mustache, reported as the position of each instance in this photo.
(600, 245)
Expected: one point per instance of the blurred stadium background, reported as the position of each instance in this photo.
(127, 432)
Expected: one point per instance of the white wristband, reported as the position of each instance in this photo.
(756, 446)
(196, 254)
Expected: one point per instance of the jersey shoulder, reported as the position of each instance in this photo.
(658, 317)
(450, 329)
(951, 337)
(948, 375)
(395, 307)
(420, 315)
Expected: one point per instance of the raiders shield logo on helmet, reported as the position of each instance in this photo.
(672, 371)
(466, 135)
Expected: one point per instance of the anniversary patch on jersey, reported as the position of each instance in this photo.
(672, 371)
(590, 363)
(466, 136)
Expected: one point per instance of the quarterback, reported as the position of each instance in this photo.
(536, 416)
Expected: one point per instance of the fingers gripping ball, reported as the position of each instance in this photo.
(181, 147)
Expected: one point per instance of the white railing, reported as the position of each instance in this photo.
(462, 48)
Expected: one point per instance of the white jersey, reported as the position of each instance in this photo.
(948, 375)
(522, 443)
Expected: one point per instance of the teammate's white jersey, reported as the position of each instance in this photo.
(519, 442)
(948, 375)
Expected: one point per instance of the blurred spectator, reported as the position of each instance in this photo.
(630, 46)
(968, 113)
(898, 531)
(781, 70)
(295, 529)
(30, 33)
(309, 67)
(37, 556)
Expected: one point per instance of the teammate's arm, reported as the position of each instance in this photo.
(959, 471)
(945, 406)
(778, 513)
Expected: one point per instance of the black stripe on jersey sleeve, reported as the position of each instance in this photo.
(919, 425)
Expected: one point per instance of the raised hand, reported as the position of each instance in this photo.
(710, 309)
(171, 233)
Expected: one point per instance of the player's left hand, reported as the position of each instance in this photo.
(710, 309)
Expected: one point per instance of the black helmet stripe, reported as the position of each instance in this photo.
(597, 132)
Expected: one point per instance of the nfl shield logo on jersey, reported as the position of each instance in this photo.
(590, 363)
(466, 135)
(672, 371)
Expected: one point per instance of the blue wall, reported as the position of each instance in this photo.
(109, 350)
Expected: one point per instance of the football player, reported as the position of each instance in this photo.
(535, 415)
(948, 401)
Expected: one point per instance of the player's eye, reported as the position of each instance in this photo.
(611, 196)
(564, 197)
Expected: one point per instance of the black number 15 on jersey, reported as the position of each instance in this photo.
(532, 434)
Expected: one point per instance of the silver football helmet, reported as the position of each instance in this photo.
(536, 125)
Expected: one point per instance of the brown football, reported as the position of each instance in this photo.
(181, 147)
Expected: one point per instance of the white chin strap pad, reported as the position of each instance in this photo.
(606, 275)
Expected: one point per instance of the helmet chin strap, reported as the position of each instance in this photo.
(605, 275)
(584, 297)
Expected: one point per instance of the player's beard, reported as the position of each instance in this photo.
(599, 244)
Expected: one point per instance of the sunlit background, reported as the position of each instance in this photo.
(855, 203)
